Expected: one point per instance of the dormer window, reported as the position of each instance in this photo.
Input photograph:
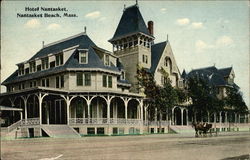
(21, 70)
(32, 66)
(59, 59)
(106, 60)
(122, 75)
(83, 57)
(45, 63)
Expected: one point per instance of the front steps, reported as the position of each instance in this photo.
(60, 131)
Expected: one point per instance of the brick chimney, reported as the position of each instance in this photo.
(151, 27)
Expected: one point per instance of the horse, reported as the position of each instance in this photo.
(201, 128)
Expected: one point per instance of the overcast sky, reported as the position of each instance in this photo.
(201, 33)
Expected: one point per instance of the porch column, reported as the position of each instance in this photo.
(21, 115)
(108, 111)
(155, 114)
(220, 120)
(235, 118)
(208, 117)
(88, 105)
(225, 117)
(182, 116)
(245, 118)
(187, 117)
(25, 109)
(126, 109)
(47, 109)
(141, 107)
(215, 116)
(40, 107)
(172, 116)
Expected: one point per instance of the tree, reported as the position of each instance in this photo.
(235, 101)
(160, 98)
(203, 96)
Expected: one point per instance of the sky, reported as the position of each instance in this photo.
(201, 33)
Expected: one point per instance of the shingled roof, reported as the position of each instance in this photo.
(213, 75)
(225, 71)
(80, 39)
(84, 42)
(131, 22)
(156, 53)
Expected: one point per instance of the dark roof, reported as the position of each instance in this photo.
(81, 39)
(184, 74)
(225, 71)
(131, 22)
(93, 62)
(156, 53)
(212, 75)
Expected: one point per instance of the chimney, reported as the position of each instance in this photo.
(43, 44)
(151, 27)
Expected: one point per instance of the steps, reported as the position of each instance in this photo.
(182, 129)
(15, 133)
(60, 131)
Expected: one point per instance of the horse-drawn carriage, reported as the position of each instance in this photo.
(203, 129)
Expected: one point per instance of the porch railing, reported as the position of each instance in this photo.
(14, 126)
(30, 121)
(120, 121)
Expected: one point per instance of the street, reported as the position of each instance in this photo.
(161, 146)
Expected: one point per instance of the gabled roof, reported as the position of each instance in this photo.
(225, 71)
(131, 22)
(156, 54)
(213, 75)
(80, 39)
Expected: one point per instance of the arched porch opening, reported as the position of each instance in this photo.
(185, 118)
(32, 106)
(177, 115)
(54, 110)
(19, 103)
(78, 108)
(133, 109)
(117, 108)
(98, 107)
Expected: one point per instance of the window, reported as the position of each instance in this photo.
(59, 59)
(32, 66)
(23, 85)
(123, 75)
(145, 59)
(110, 81)
(87, 79)
(166, 62)
(52, 64)
(31, 84)
(27, 71)
(107, 60)
(83, 57)
(45, 82)
(45, 63)
(60, 81)
(21, 70)
(57, 82)
(38, 68)
(104, 80)
(79, 79)
(34, 83)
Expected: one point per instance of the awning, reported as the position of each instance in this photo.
(5, 108)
